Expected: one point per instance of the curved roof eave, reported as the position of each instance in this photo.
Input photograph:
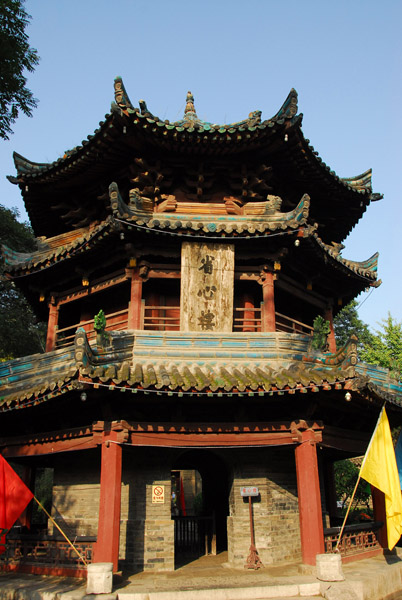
(186, 135)
(123, 107)
(366, 269)
(54, 249)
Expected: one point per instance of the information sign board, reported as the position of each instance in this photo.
(249, 491)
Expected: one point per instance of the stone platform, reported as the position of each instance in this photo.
(209, 578)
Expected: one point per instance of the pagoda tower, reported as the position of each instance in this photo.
(181, 267)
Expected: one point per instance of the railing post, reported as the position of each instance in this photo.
(52, 325)
(309, 497)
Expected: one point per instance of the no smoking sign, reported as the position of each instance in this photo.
(158, 494)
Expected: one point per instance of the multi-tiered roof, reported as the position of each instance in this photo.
(137, 188)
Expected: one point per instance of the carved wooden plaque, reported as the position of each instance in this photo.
(207, 277)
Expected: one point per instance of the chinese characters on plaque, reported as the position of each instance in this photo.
(207, 276)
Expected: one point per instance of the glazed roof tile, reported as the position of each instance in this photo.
(127, 129)
(367, 268)
(284, 364)
(272, 222)
(56, 249)
(190, 123)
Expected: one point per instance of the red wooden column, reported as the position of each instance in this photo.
(248, 313)
(309, 495)
(107, 545)
(134, 307)
(380, 515)
(331, 337)
(268, 316)
(52, 325)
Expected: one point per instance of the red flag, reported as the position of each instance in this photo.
(14, 498)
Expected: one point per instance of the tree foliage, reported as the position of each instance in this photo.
(348, 322)
(385, 347)
(346, 474)
(20, 334)
(16, 57)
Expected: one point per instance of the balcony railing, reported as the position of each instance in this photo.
(167, 318)
(116, 321)
(162, 318)
(46, 551)
(356, 539)
(247, 319)
(284, 323)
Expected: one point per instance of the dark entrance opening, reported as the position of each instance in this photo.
(203, 528)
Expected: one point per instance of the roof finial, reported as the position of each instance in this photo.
(189, 111)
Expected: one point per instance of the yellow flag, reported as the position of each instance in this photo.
(379, 468)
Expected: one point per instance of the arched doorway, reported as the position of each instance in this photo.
(204, 529)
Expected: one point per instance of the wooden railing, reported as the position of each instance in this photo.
(247, 319)
(162, 318)
(356, 539)
(167, 318)
(116, 321)
(284, 323)
(46, 551)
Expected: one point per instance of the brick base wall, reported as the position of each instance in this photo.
(147, 530)
(75, 497)
(275, 512)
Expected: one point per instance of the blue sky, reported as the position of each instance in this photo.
(344, 58)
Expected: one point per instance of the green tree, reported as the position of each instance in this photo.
(385, 347)
(20, 334)
(348, 322)
(346, 474)
(16, 57)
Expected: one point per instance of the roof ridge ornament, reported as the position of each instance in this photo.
(121, 96)
(189, 111)
(289, 108)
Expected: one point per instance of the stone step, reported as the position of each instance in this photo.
(267, 592)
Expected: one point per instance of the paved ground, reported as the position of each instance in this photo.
(210, 579)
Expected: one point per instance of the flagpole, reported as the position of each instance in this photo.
(347, 514)
(62, 532)
(358, 479)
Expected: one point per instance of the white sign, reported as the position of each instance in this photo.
(249, 491)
